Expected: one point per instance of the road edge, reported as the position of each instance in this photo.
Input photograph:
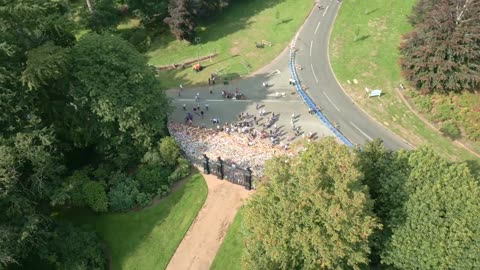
(347, 94)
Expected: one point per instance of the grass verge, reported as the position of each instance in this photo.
(364, 46)
(229, 256)
(147, 239)
(232, 34)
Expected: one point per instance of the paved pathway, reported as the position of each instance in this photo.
(202, 241)
(280, 98)
(325, 90)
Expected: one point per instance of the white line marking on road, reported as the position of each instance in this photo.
(316, 28)
(209, 100)
(313, 71)
(325, 11)
(331, 101)
(361, 131)
(311, 46)
(280, 100)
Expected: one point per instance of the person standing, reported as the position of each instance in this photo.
(206, 107)
(184, 107)
(209, 81)
(180, 90)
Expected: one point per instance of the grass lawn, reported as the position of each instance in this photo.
(229, 256)
(232, 34)
(147, 239)
(364, 46)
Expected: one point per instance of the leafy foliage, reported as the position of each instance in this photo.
(103, 16)
(169, 151)
(81, 190)
(457, 114)
(28, 169)
(182, 170)
(124, 194)
(72, 248)
(65, 105)
(312, 212)
(151, 178)
(440, 224)
(180, 19)
(121, 96)
(95, 196)
(150, 12)
(427, 207)
(451, 130)
(44, 64)
(441, 54)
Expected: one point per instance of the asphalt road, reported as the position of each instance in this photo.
(323, 87)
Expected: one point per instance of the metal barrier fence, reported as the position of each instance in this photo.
(309, 101)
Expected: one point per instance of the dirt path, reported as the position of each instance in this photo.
(202, 241)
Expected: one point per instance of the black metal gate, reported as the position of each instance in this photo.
(229, 172)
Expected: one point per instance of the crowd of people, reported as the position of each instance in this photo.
(233, 145)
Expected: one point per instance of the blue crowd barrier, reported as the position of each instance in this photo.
(312, 104)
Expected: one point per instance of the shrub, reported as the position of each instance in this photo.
(169, 151)
(123, 195)
(182, 170)
(451, 130)
(143, 199)
(80, 190)
(444, 112)
(163, 191)
(74, 186)
(424, 103)
(94, 196)
(151, 177)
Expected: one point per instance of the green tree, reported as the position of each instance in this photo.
(121, 97)
(73, 248)
(439, 228)
(95, 196)
(311, 212)
(427, 207)
(100, 15)
(150, 12)
(29, 168)
(152, 177)
(169, 151)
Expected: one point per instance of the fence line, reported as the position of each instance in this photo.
(308, 101)
(225, 170)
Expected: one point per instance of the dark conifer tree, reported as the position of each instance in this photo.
(180, 19)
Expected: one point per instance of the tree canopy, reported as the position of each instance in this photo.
(72, 114)
(428, 208)
(312, 212)
(442, 54)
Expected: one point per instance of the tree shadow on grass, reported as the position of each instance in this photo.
(284, 21)
(233, 19)
(362, 38)
(129, 234)
(368, 12)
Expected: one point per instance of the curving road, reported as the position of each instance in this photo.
(323, 87)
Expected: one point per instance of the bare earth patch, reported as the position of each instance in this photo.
(202, 241)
